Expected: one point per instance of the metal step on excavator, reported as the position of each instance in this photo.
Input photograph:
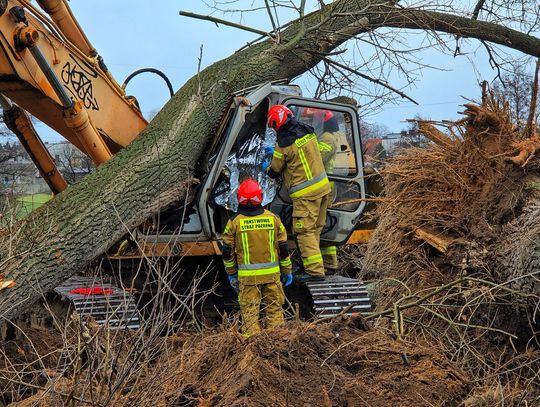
(90, 297)
(105, 303)
(116, 308)
(338, 295)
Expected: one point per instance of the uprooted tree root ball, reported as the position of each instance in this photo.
(457, 243)
(339, 363)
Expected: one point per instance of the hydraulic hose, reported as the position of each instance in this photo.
(151, 70)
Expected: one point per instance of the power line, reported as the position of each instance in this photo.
(160, 66)
(422, 104)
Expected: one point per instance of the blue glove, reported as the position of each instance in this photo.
(233, 281)
(286, 279)
(269, 150)
(265, 165)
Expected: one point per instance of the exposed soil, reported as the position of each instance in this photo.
(340, 363)
(335, 364)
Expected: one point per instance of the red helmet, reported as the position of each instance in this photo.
(250, 192)
(278, 115)
(321, 115)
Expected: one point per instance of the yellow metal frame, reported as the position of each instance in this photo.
(208, 248)
(170, 249)
(360, 236)
(115, 118)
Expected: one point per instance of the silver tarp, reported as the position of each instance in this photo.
(243, 163)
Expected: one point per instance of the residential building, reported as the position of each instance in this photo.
(19, 175)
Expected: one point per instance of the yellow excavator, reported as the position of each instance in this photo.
(50, 69)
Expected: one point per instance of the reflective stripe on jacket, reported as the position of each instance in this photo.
(303, 168)
(328, 146)
(256, 248)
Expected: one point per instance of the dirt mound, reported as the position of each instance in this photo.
(339, 363)
(335, 364)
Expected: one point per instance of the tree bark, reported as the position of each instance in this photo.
(81, 223)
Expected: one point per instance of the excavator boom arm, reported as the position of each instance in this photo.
(50, 69)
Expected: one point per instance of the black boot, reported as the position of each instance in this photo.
(303, 277)
(330, 272)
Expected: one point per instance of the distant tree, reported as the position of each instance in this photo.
(372, 135)
(516, 87)
(72, 163)
(373, 130)
(9, 151)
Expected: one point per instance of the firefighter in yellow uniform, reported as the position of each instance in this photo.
(328, 146)
(256, 258)
(297, 156)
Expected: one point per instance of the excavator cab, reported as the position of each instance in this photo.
(238, 151)
(337, 130)
(241, 152)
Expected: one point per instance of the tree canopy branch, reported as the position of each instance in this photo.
(477, 9)
(463, 26)
(224, 22)
(371, 79)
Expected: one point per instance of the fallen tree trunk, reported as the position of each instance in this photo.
(62, 237)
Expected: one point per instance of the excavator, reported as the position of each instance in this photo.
(49, 68)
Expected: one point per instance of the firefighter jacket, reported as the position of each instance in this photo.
(297, 155)
(255, 246)
(328, 146)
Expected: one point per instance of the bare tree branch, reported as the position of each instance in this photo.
(453, 24)
(272, 21)
(477, 9)
(369, 78)
(530, 129)
(224, 22)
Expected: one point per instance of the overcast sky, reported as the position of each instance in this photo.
(131, 34)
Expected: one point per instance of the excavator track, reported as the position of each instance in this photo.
(115, 308)
(338, 295)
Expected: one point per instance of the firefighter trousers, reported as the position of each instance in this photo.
(250, 298)
(309, 218)
(329, 255)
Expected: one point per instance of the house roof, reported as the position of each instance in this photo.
(370, 145)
